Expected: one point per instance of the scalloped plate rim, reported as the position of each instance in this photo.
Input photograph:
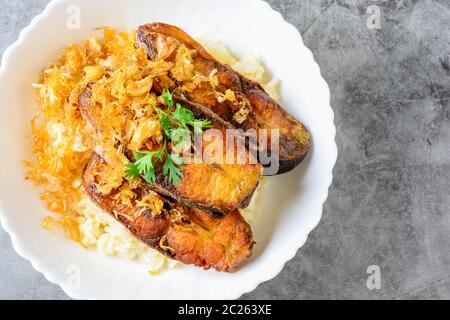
(16, 243)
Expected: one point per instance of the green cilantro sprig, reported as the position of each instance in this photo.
(144, 165)
(177, 125)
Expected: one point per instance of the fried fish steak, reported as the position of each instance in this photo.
(212, 184)
(189, 235)
(251, 108)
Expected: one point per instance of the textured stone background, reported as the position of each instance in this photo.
(389, 204)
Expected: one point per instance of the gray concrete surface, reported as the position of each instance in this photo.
(389, 204)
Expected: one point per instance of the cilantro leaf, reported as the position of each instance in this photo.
(131, 171)
(144, 165)
(200, 125)
(150, 176)
(138, 155)
(206, 123)
(177, 125)
(180, 135)
(167, 98)
(183, 116)
(171, 170)
(166, 125)
(177, 159)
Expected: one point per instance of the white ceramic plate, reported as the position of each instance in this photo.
(291, 204)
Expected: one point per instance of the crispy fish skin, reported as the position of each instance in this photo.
(197, 238)
(214, 186)
(265, 113)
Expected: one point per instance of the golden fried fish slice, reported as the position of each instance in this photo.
(251, 108)
(213, 183)
(189, 235)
